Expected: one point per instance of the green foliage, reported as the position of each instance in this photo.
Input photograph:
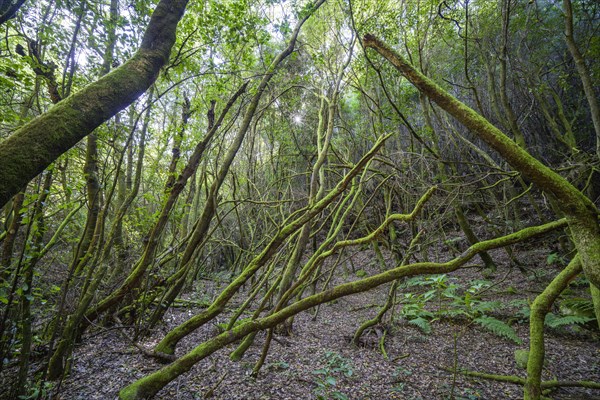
(573, 312)
(40, 391)
(451, 301)
(468, 394)
(521, 358)
(577, 306)
(335, 367)
(555, 259)
(399, 375)
(554, 321)
(278, 365)
(498, 327)
(421, 323)
(361, 273)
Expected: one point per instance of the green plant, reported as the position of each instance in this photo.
(498, 328)
(555, 259)
(555, 321)
(577, 306)
(399, 387)
(521, 358)
(413, 310)
(573, 312)
(361, 273)
(468, 394)
(335, 367)
(38, 391)
(399, 375)
(452, 302)
(278, 365)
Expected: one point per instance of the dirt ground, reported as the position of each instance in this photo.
(318, 360)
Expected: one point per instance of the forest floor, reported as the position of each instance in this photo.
(318, 360)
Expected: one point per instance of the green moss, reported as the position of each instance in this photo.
(150, 385)
(361, 273)
(521, 358)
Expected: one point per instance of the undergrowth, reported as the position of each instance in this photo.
(427, 299)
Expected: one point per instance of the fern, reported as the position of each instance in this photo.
(422, 323)
(554, 321)
(486, 306)
(455, 312)
(577, 306)
(499, 328)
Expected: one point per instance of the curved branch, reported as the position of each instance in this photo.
(148, 386)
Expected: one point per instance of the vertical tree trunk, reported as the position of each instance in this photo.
(582, 70)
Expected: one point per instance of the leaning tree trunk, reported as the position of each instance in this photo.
(581, 213)
(147, 257)
(30, 149)
(150, 385)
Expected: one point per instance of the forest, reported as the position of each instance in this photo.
(300, 199)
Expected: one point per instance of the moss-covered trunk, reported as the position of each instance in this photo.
(581, 213)
(173, 190)
(168, 343)
(30, 149)
(540, 307)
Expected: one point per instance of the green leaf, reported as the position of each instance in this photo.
(553, 258)
(554, 321)
(521, 358)
(422, 323)
(498, 328)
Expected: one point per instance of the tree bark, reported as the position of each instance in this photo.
(8, 9)
(30, 149)
(581, 212)
(582, 70)
(540, 307)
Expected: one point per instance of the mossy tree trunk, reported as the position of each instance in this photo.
(581, 213)
(173, 191)
(291, 226)
(36, 231)
(540, 307)
(582, 70)
(199, 234)
(81, 113)
(33, 147)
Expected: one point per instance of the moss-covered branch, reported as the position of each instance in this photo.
(153, 383)
(581, 211)
(168, 343)
(540, 307)
(517, 380)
